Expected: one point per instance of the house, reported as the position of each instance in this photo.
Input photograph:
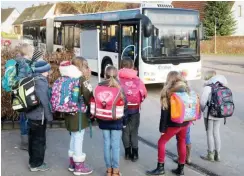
(8, 16)
(237, 9)
(33, 13)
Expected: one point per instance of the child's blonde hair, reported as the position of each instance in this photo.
(82, 65)
(174, 78)
(26, 50)
(209, 74)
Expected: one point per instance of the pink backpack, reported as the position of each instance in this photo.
(107, 103)
(62, 96)
(132, 92)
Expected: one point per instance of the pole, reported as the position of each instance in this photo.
(98, 57)
(215, 37)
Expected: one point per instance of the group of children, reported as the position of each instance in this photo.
(125, 127)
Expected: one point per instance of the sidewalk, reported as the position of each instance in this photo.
(15, 161)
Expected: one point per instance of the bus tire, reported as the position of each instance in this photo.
(105, 63)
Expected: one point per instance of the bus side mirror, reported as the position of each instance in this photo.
(146, 25)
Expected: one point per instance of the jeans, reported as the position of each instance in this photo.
(180, 133)
(130, 133)
(112, 147)
(23, 124)
(213, 135)
(37, 142)
(188, 136)
(76, 146)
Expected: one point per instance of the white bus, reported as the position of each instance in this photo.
(159, 39)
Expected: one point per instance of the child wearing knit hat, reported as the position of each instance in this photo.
(37, 118)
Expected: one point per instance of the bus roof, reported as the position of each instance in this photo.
(111, 15)
(102, 16)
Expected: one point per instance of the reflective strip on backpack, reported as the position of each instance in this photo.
(17, 107)
(29, 91)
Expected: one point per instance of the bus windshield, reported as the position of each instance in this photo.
(175, 35)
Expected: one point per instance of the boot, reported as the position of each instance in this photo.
(158, 171)
(71, 161)
(134, 156)
(179, 171)
(109, 172)
(216, 156)
(71, 164)
(128, 153)
(80, 167)
(209, 156)
(116, 172)
(188, 154)
(24, 142)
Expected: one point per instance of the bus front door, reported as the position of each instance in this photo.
(129, 37)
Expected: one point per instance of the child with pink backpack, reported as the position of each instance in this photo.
(135, 92)
(71, 95)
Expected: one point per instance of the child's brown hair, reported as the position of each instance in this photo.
(127, 62)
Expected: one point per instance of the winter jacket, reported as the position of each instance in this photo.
(117, 124)
(207, 93)
(132, 74)
(165, 120)
(72, 119)
(43, 111)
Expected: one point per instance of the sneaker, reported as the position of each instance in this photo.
(82, 169)
(43, 167)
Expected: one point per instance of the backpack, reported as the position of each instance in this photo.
(12, 71)
(132, 92)
(184, 107)
(107, 103)
(221, 104)
(23, 96)
(65, 95)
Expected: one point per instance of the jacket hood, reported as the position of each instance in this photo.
(70, 71)
(217, 78)
(127, 73)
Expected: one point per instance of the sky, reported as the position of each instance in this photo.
(21, 5)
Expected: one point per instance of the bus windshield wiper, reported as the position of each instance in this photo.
(194, 57)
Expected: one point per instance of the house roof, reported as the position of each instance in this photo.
(195, 5)
(5, 13)
(31, 13)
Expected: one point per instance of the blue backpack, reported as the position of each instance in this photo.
(15, 70)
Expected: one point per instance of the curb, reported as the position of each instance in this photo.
(12, 125)
(221, 69)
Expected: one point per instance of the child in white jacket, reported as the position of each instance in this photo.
(212, 124)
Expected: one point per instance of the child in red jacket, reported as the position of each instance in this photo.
(135, 92)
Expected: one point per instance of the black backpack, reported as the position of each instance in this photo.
(23, 95)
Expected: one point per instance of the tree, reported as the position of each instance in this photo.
(221, 12)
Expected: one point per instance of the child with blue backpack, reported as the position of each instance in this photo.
(75, 77)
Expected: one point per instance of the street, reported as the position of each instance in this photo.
(14, 161)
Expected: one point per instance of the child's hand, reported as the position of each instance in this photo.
(162, 134)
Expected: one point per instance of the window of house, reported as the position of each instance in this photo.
(109, 38)
(239, 11)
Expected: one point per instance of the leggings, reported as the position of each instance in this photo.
(213, 135)
(180, 133)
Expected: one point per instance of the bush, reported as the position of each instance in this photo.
(54, 59)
